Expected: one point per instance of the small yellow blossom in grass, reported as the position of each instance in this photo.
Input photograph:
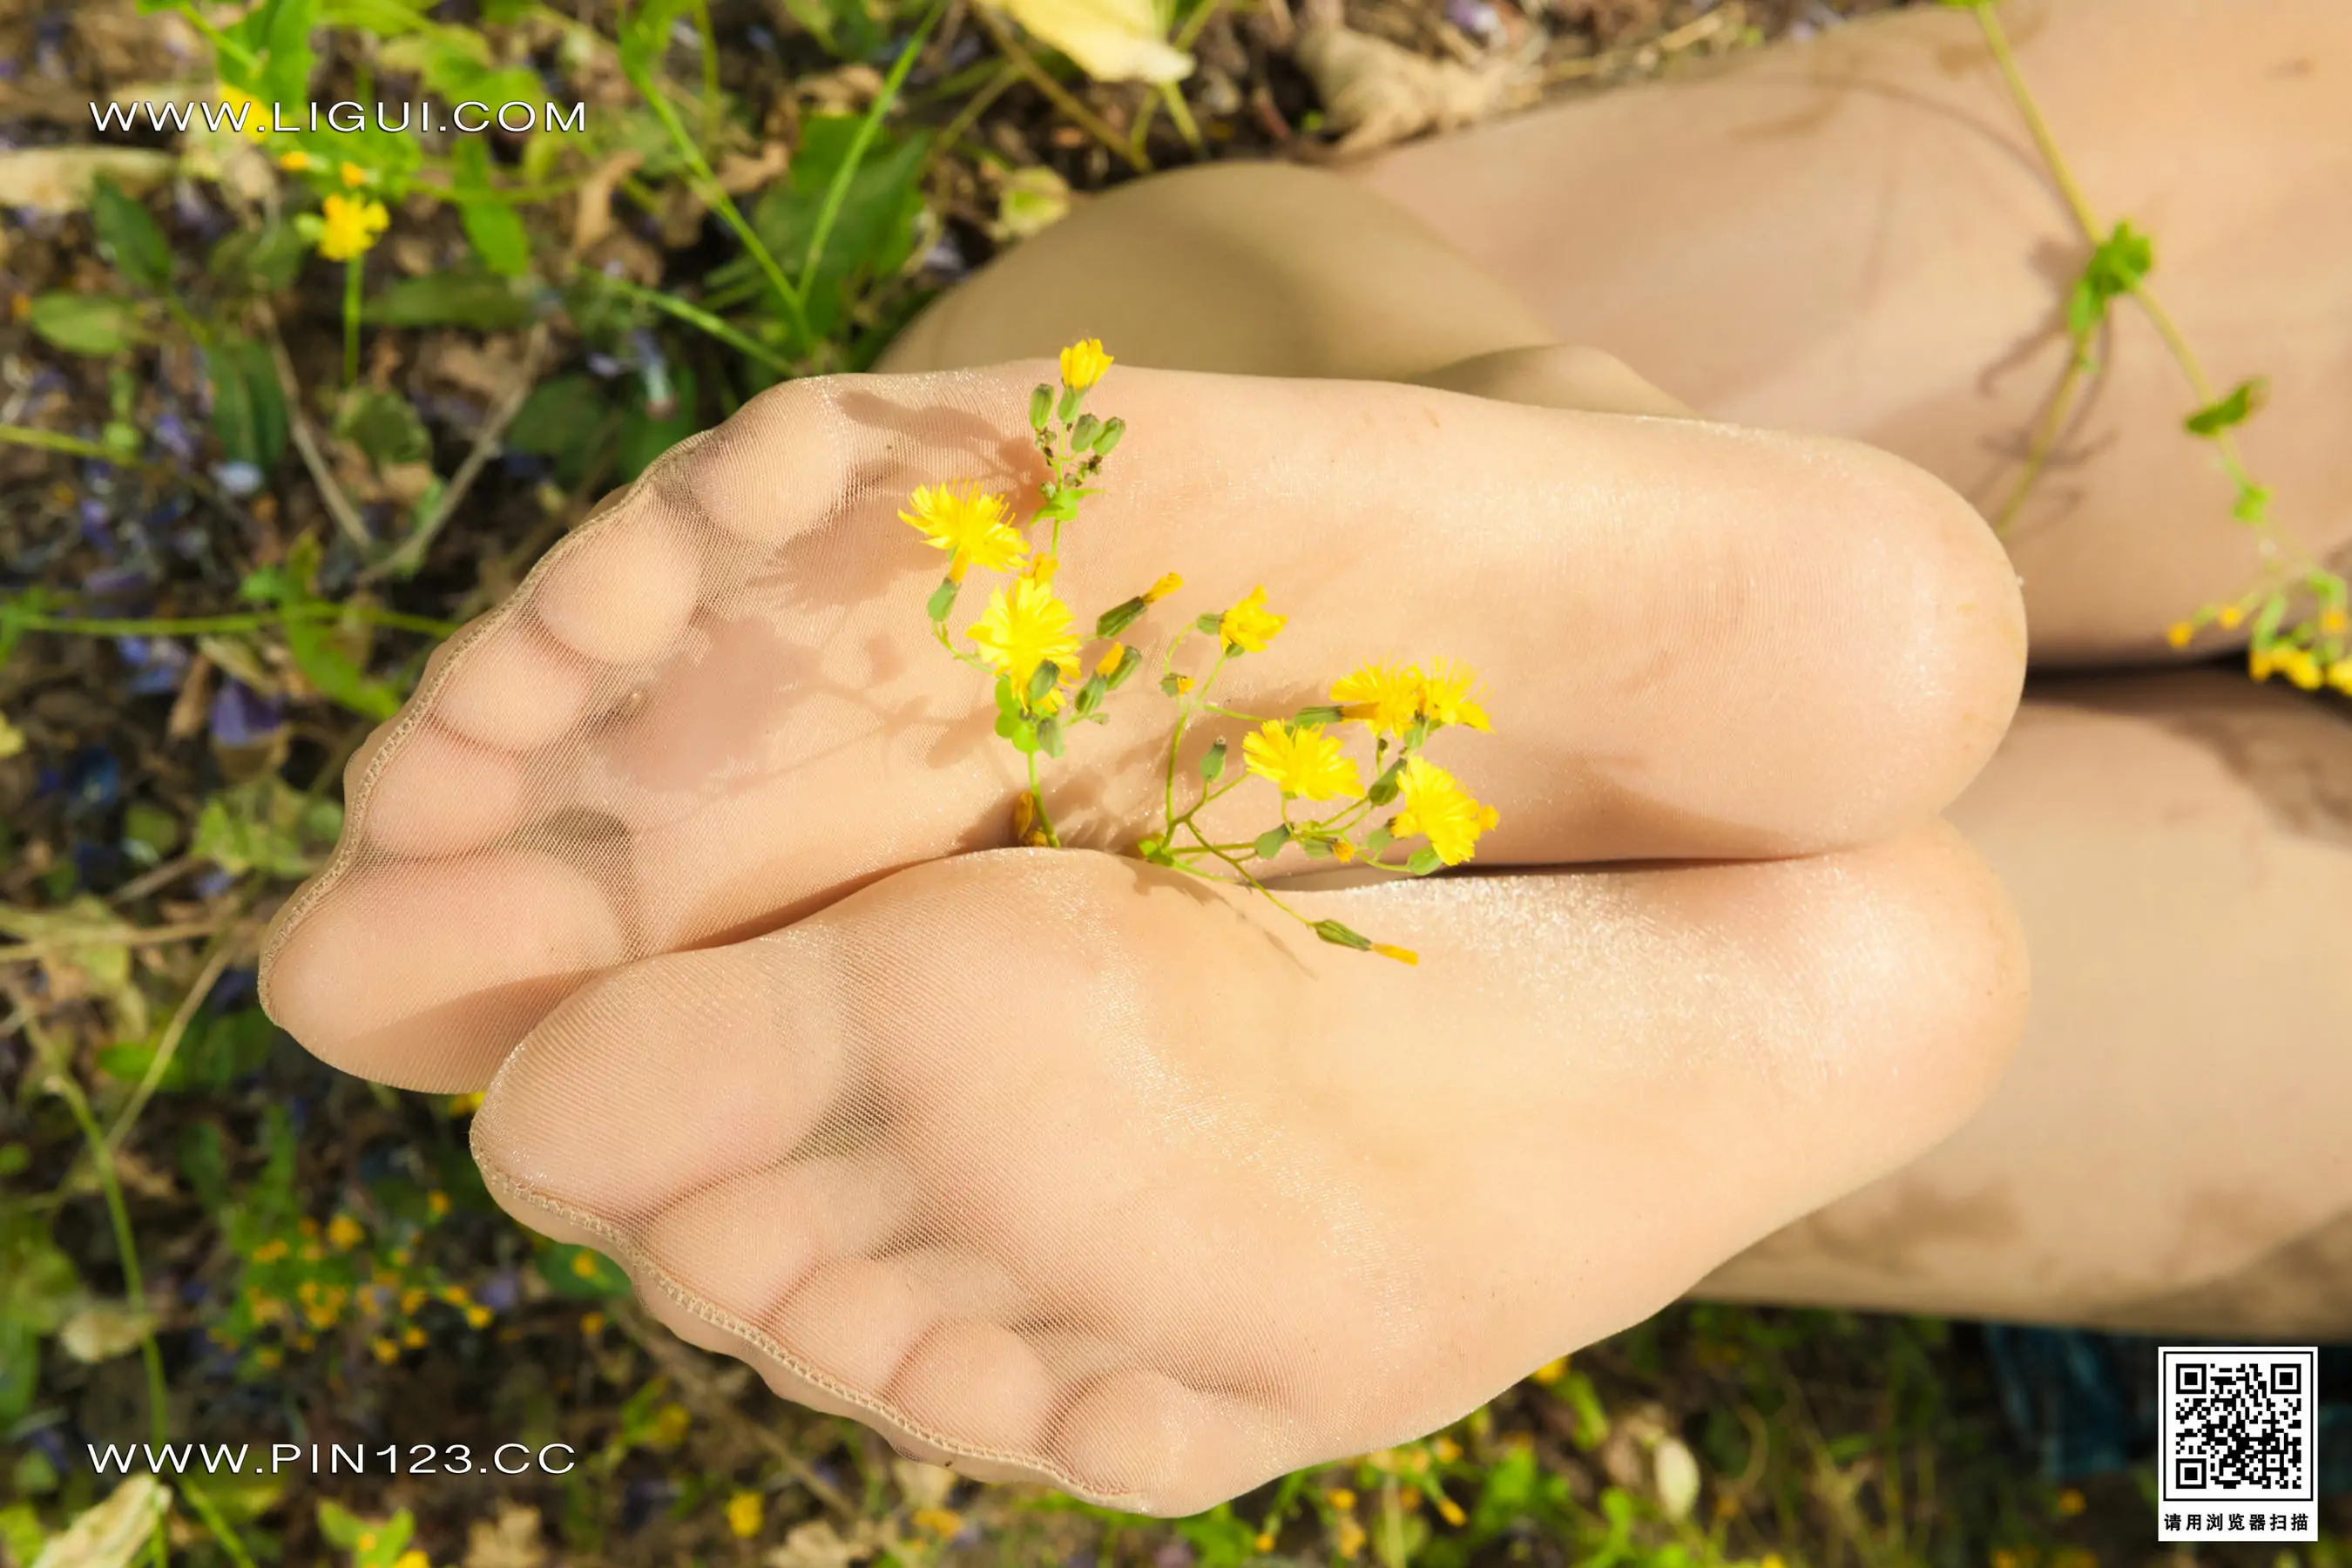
(1348, 1537)
(583, 1263)
(255, 120)
(1772, 1560)
(1343, 1498)
(350, 227)
(971, 524)
(592, 1324)
(477, 1317)
(344, 1232)
(746, 1514)
(455, 1295)
(1250, 625)
(669, 1426)
(2339, 676)
(1023, 628)
(466, 1104)
(1446, 1449)
(353, 175)
(2301, 668)
(1551, 1372)
(438, 1202)
(386, 1350)
(1448, 1508)
(1385, 695)
(1439, 809)
(270, 1356)
(943, 1523)
(1448, 696)
(2178, 634)
(269, 1251)
(412, 1299)
(412, 1337)
(2331, 622)
(366, 1542)
(1305, 762)
(1183, 683)
(2229, 616)
(2071, 1502)
(1265, 1541)
(1168, 583)
(412, 1558)
(1083, 363)
(295, 161)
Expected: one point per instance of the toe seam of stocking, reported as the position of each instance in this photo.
(641, 1266)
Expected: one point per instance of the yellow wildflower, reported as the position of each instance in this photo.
(412, 1299)
(1404, 955)
(2071, 1502)
(1265, 1541)
(344, 1232)
(1169, 582)
(351, 228)
(1342, 851)
(250, 115)
(1448, 1508)
(1446, 1449)
(2260, 662)
(295, 161)
(1250, 625)
(942, 1522)
(1022, 629)
(455, 1295)
(412, 1337)
(1439, 809)
(2339, 676)
(353, 175)
(412, 1558)
(1384, 696)
(2332, 621)
(583, 1263)
(592, 1324)
(967, 522)
(479, 1317)
(1084, 361)
(269, 1251)
(1042, 569)
(270, 1356)
(1343, 1498)
(745, 1514)
(2178, 634)
(2300, 667)
(386, 1350)
(1348, 1537)
(1446, 694)
(2230, 615)
(464, 1104)
(1183, 683)
(1304, 762)
(438, 1202)
(1112, 661)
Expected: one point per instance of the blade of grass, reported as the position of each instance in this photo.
(837, 191)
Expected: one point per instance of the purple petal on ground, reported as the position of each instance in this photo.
(501, 1291)
(172, 434)
(157, 664)
(93, 520)
(244, 717)
(114, 582)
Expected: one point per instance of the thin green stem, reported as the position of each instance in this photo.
(719, 202)
(701, 320)
(221, 42)
(134, 1287)
(709, 51)
(837, 191)
(50, 441)
(1043, 80)
(352, 321)
(222, 1531)
(2043, 441)
(1996, 40)
(206, 626)
(1037, 800)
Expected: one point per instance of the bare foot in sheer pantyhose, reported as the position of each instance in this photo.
(1052, 1164)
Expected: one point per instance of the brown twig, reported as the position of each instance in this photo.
(411, 553)
(297, 424)
(1086, 118)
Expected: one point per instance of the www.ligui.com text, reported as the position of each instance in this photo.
(346, 115)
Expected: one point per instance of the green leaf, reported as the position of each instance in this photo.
(2118, 265)
(644, 37)
(492, 227)
(646, 434)
(264, 261)
(384, 18)
(1423, 861)
(942, 599)
(129, 237)
(567, 421)
(276, 34)
(382, 424)
(1007, 705)
(872, 233)
(248, 403)
(482, 300)
(1378, 839)
(2240, 406)
(85, 323)
(1269, 843)
(1049, 736)
(203, 1161)
(1212, 762)
(581, 1273)
(266, 826)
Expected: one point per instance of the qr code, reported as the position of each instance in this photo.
(2234, 1454)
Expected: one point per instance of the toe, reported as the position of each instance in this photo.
(659, 1080)
(1158, 1447)
(622, 589)
(855, 1322)
(774, 470)
(746, 1244)
(514, 686)
(978, 1386)
(421, 976)
(434, 793)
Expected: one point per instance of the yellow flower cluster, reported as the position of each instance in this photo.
(349, 227)
(1030, 642)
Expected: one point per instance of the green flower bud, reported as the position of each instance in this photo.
(1269, 843)
(1384, 788)
(1423, 862)
(1212, 623)
(1343, 936)
(1119, 617)
(943, 598)
(1071, 398)
(1049, 736)
(1325, 713)
(1129, 661)
(1316, 848)
(1041, 406)
(1042, 680)
(1378, 839)
(1112, 431)
(1212, 762)
(1090, 695)
(1083, 434)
